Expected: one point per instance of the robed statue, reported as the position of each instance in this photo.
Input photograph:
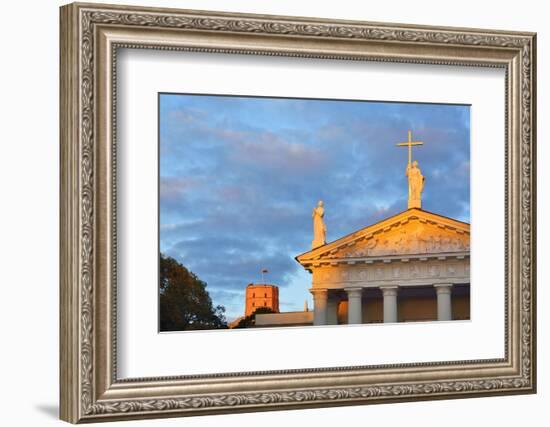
(416, 185)
(319, 228)
(416, 180)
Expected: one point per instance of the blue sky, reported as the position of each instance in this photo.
(239, 177)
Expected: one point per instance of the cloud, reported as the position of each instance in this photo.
(187, 116)
(174, 188)
(269, 152)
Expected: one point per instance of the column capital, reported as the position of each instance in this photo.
(354, 292)
(443, 288)
(319, 292)
(389, 290)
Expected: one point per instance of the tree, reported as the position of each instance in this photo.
(184, 301)
(250, 321)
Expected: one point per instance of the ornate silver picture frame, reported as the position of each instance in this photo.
(91, 37)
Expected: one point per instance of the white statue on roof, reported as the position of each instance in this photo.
(319, 227)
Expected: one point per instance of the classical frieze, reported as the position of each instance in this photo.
(415, 272)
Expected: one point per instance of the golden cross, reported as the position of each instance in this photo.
(409, 144)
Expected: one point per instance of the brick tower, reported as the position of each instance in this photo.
(261, 295)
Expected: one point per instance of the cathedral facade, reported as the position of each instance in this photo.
(413, 266)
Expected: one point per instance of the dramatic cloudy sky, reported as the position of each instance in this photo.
(239, 177)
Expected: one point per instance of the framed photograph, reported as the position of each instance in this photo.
(266, 213)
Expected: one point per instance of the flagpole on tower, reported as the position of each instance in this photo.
(263, 271)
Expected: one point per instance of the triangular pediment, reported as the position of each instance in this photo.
(413, 231)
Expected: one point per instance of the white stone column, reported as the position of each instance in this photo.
(444, 307)
(332, 311)
(355, 314)
(320, 297)
(390, 303)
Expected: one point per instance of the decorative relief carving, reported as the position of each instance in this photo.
(87, 192)
(396, 272)
(433, 270)
(410, 238)
(327, 395)
(251, 25)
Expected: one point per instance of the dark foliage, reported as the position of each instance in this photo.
(184, 301)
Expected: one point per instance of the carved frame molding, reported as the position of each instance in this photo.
(90, 36)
